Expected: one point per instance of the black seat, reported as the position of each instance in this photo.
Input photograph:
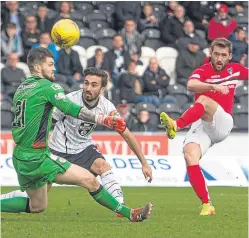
(104, 37)
(240, 116)
(86, 38)
(242, 94)
(158, 9)
(151, 33)
(98, 24)
(186, 106)
(151, 38)
(107, 8)
(172, 109)
(6, 119)
(84, 7)
(151, 108)
(96, 16)
(180, 93)
(6, 115)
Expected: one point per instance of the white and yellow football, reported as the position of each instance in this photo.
(65, 33)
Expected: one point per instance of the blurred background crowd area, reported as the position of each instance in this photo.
(149, 50)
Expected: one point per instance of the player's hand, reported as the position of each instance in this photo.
(222, 89)
(147, 171)
(112, 121)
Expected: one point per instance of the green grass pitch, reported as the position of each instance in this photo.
(73, 213)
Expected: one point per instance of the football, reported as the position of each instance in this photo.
(65, 33)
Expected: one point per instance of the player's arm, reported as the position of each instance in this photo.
(197, 86)
(55, 94)
(135, 147)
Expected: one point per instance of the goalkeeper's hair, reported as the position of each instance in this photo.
(98, 72)
(38, 56)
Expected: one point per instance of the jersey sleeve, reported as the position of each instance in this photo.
(198, 74)
(243, 72)
(55, 94)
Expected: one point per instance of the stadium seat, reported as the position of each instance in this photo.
(104, 37)
(180, 93)
(24, 67)
(244, 26)
(86, 38)
(242, 94)
(82, 54)
(158, 9)
(107, 8)
(96, 16)
(80, 24)
(206, 51)
(1, 66)
(145, 106)
(90, 52)
(152, 38)
(84, 7)
(201, 33)
(151, 108)
(167, 61)
(242, 18)
(147, 52)
(98, 24)
(186, 106)
(172, 109)
(240, 116)
(51, 13)
(6, 115)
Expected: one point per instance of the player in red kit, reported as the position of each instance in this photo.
(214, 84)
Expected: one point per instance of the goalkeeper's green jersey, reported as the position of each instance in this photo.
(33, 104)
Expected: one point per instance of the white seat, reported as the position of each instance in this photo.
(206, 51)
(169, 65)
(166, 52)
(147, 52)
(24, 67)
(1, 66)
(166, 57)
(82, 54)
(90, 52)
(141, 68)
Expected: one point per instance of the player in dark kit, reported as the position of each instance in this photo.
(214, 84)
(35, 165)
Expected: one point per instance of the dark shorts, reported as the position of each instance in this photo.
(83, 159)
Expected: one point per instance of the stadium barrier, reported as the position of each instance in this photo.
(225, 164)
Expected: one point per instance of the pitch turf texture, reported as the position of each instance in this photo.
(73, 213)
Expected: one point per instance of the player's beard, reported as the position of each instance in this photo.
(89, 98)
(222, 65)
(47, 76)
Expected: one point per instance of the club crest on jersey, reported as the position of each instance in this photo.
(230, 71)
(56, 86)
(86, 128)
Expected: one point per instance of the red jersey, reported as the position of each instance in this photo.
(228, 76)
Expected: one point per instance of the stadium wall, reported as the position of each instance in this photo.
(225, 164)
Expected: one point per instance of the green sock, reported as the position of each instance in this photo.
(107, 200)
(15, 205)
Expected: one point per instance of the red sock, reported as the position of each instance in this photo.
(198, 183)
(191, 115)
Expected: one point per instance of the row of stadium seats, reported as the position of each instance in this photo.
(183, 102)
(240, 113)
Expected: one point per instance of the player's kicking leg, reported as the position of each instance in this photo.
(204, 108)
(76, 175)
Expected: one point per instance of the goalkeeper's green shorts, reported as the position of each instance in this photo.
(35, 168)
